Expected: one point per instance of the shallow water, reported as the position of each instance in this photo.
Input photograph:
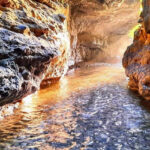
(90, 109)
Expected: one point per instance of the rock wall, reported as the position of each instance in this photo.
(136, 60)
(99, 27)
(34, 45)
(35, 42)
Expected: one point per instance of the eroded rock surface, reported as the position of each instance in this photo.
(99, 29)
(34, 45)
(136, 59)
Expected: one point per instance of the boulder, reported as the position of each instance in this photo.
(34, 46)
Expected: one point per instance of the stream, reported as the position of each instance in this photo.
(89, 109)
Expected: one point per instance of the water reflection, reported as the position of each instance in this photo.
(89, 109)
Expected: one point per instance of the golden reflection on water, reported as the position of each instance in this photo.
(79, 80)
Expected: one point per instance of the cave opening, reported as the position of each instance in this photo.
(102, 33)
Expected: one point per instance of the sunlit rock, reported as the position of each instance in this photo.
(136, 59)
(34, 45)
(98, 27)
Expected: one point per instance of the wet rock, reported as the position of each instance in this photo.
(34, 45)
(136, 60)
(20, 54)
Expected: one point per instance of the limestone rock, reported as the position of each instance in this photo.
(95, 24)
(136, 60)
(34, 45)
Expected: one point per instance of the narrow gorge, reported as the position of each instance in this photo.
(40, 40)
(62, 84)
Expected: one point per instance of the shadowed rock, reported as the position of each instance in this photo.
(34, 45)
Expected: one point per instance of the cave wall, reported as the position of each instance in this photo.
(34, 45)
(97, 24)
(136, 60)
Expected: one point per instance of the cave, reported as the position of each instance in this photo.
(74, 74)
